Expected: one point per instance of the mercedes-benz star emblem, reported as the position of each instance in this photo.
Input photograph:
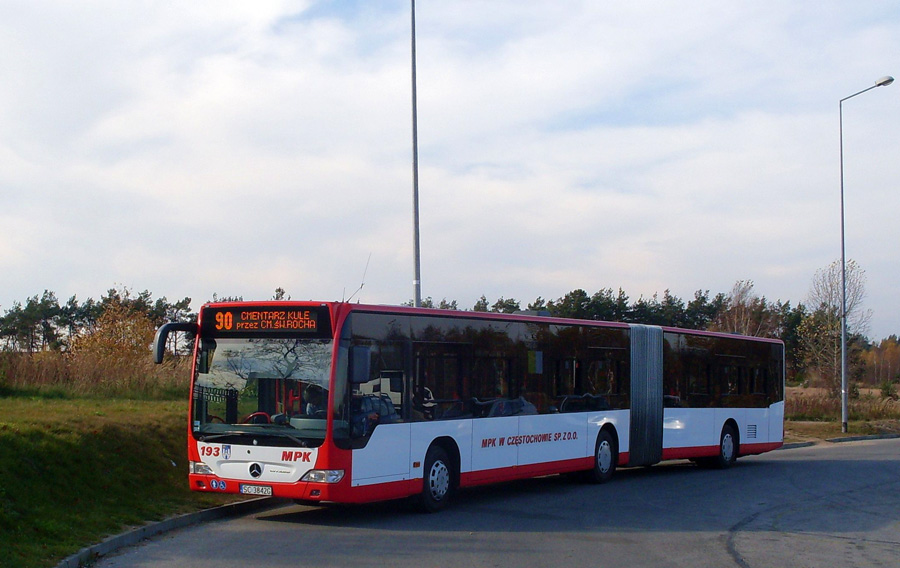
(255, 470)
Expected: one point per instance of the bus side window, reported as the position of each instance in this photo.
(567, 378)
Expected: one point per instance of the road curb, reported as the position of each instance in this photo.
(795, 445)
(862, 438)
(132, 537)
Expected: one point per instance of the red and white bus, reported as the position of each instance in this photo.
(348, 403)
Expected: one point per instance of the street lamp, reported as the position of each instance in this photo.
(883, 82)
(417, 266)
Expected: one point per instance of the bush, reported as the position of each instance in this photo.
(92, 374)
(818, 407)
(821, 407)
(888, 390)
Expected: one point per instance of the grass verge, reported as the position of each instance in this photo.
(73, 471)
(810, 415)
(816, 431)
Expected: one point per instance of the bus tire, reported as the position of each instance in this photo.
(437, 481)
(728, 448)
(606, 455)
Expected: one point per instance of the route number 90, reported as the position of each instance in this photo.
(224, 320)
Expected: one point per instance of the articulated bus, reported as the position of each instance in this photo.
(346, 403)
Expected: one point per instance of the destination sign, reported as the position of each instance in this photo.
(251, 320)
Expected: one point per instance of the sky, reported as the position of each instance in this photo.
(230, 148)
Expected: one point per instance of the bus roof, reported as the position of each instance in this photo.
(339, 310)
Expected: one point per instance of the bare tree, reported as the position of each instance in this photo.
(821, 329)
(746, 313)
(826, 289)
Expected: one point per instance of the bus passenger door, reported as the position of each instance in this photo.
(493, 429)
(377, 421)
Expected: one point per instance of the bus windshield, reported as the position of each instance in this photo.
(273, 390)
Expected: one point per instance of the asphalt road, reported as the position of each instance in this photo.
(820, 506)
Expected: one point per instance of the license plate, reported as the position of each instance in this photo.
(256, 490)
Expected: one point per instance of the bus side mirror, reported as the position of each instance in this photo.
(360, 371)
(162, 335)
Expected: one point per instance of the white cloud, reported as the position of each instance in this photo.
(233, 148)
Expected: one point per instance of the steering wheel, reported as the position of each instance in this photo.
(214, 418)
(249, 419)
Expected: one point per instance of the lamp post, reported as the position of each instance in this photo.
(883, 82)
(417, 278)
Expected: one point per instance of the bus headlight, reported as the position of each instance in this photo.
(200, 468)
(324, 475)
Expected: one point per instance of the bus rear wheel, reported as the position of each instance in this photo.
(606, 455)
(437, 483)
(728, 448)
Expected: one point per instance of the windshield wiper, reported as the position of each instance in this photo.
(278, 434)
(301, 443)
(208, 437)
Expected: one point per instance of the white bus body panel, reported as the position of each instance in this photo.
(385, 457)
(550, 438)
(702, 427)
(690, 427)
(489, 449)
(776, 422)
(485, 444)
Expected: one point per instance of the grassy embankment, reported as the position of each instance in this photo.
(75, 470)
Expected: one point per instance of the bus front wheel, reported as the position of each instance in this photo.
(437, 482)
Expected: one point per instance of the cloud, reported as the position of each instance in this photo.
(233, 148)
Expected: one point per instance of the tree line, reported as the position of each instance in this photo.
(94, 347)
(42, 323)
(811, 332)
(125, 321)
(739, 311)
